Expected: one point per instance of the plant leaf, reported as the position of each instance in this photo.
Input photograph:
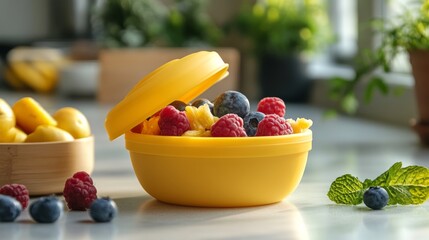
(337, 86)
(330, 114)
(408, 185)
(384, 177)
(350, 104)
(346, 189)
(374, 84)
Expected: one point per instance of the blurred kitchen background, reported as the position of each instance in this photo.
(285, 48)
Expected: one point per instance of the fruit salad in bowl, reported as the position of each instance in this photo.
(196, 152)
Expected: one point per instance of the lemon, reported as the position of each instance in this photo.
(30, 114)
(48, 133)
(7, 118)
(13, 135)
(73, 121)
(7, 136)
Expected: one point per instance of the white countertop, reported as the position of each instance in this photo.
(345, 145)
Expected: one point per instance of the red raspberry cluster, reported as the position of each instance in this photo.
(272, 105)
(173, 122)
(79, 191)
(17, 191)
(273, 125)
(229, 125)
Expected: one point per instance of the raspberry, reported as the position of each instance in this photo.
(79, 193)
(272, 105)
(229, 125)
(273, 125)
(17, 191)
(172, 122)
(83, 176)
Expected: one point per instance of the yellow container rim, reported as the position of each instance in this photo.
(215, 147)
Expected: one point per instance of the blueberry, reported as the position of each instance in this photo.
(10, 208)
(231, 102)
(202, 101)
(251, 121)
(376, 198)
(103, 209)
(179, 105)
(46, 209)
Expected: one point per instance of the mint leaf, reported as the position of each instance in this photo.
(384, 177)
(367, 183)
(408, 185)
(346, 190)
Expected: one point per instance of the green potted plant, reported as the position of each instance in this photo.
(188, 24)
(138, 36)
(410, 34)
(281, 33)
(129, 23)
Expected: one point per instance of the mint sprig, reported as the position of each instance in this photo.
(408, 185)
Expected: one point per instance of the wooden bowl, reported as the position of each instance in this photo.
(44, 167)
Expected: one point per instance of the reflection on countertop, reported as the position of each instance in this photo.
(343, 145)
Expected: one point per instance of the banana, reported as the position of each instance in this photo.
(13, 80)
(49, 71)
(36, 68)
(30, 76)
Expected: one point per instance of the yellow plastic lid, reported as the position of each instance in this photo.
(180, 79)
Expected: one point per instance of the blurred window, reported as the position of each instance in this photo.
(351, 24)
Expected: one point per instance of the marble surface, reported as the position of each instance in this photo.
(343, 145)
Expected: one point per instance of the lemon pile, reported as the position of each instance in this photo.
(28, 121)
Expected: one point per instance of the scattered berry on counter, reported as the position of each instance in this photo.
(229, 125)
(17, 191)
(251, 122)
(231, 102)
(46, 209)
(272, 105)
(103, 210)
(10, 208)
(200, 118)
(376, 198)
(273, 125)
(79, 194)
(179, 105)
(83, 176)
(172, 122)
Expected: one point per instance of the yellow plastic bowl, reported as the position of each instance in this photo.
(219, 172)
